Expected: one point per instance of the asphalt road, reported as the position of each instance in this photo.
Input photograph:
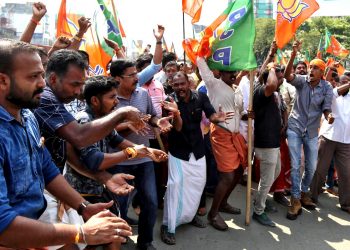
(328, 227)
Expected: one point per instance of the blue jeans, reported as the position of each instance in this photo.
(295, 144)
(145, 184)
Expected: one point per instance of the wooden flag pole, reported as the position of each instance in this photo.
(250, 147)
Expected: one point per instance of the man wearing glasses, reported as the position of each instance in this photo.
(124, 71)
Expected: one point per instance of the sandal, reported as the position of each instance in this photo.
(217, 222)
(229, 209)
(202, 211)
(167, 238)
(197, 222)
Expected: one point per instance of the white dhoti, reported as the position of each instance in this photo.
(51, 216)
(186, 181)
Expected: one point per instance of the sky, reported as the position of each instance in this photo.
(139, 17)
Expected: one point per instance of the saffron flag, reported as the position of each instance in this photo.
(332, 63)
(329, 44)
(290, 15)
(67, 25)
(192, 8)
(228, 42)
(336, 48)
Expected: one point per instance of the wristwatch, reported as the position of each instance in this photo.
(82, 206)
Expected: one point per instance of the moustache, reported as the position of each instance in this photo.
(38, 91)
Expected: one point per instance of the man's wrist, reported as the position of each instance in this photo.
(159, 42)
(80, 34)
(76, 37)
(120, 115)
(176, 113)
(82, 207)
(35, 20)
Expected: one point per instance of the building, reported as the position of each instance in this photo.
(14, 18)
(263, 8)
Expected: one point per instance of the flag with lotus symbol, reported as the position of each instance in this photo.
(93, 43)
(290, 15)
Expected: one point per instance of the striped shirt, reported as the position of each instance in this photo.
(142, 101)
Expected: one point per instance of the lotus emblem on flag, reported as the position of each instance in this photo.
(98, 70)
(290, 9)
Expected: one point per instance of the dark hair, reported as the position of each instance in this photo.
(60, 61)
(181, 73)
(85, 55)
(142, 60)
(347, 73)
(42, 52)
(167, 57)
(9, 49)
(118, 66)
(336, 78)
(283, 68)
(266, 73)
(299, 62)
(172, 63)
(98, 86)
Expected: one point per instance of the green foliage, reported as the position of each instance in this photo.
(265, 32)
(309, 33)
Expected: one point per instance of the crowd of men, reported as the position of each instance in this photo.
(76, 150)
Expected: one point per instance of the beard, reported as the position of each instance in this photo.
(23, 100)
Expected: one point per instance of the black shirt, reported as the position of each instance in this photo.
(267, 125)
(190, 138)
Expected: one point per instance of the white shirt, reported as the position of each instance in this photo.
(244, 86)
(219, 93)
(339, 131)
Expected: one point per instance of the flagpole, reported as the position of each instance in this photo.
(114, 12)
(183, 34)
(250, 137)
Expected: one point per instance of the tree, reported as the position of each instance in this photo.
(265, 32)
(309, 32)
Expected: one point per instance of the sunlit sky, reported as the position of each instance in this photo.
(139, 17)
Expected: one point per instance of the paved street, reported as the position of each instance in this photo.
(326, 228)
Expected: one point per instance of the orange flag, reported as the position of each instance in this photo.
(67, 25)
(336, 48)
(193, 8)
(62, 24)
(332, 63)
(290, 15)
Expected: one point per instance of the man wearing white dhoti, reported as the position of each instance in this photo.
(187, 166)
